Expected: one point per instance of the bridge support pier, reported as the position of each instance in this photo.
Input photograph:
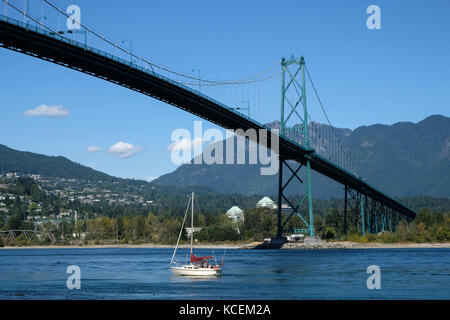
(280, 192)
(363, 213)
(294, 207)
(345, 210)
(367, 214)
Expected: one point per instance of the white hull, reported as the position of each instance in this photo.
(190, 270)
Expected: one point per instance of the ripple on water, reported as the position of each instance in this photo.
(143, 273)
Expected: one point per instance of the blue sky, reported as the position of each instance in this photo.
(364, 77)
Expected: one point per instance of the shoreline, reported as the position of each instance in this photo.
(367, 245)
(287, 246)
(131, 246)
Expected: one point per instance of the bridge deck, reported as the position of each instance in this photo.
(39, 43)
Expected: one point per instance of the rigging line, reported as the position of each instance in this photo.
(317, 95)
(323, 109)
(157, 65)
(181, 230)
(23, 12)
(319, 136)
(211, 83)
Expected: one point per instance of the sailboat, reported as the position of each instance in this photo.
(198, 266)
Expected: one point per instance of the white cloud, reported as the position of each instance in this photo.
(48, 111)
(93, 149)
(124, 149)
(184, 144)
(151, 178)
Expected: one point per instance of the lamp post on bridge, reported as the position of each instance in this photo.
(242, 108)
(199, 81)
(131, 49)
(26, 15)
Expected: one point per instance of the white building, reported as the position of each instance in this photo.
(235, 213)
(266, 202)
(296, 237)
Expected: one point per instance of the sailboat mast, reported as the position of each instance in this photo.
(192, 222)
(181, 230)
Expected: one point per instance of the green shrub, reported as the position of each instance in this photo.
(442, 234)
(389, 237)
(371, 237)
(329, 233)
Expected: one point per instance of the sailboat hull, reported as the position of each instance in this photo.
(192, 271)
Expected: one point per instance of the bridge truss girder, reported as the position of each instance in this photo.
(369, 215)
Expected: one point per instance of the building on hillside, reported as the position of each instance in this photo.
(235, 213)
(266, 202)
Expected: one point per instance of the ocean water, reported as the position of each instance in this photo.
(143, 273)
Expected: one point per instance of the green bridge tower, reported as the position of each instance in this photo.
(293, 99)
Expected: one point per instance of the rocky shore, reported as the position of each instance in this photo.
(321, 244)
(355, 245)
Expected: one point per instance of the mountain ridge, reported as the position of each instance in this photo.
(25, 162)
(403, 159)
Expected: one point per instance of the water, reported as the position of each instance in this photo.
(143, 273)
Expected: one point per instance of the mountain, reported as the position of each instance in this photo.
(404, 160)
(86, 181)
(32, 163)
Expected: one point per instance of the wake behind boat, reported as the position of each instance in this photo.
(199, 266)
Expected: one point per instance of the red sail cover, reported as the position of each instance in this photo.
(195, 259)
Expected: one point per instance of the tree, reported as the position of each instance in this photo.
(329, 233)
(33, 206)
(259, 223)
(335, 219)
(169, 230)
(120, 228)
(217, 233)
(79, 227)
(14, 222)
(424, 216)
(140, 223)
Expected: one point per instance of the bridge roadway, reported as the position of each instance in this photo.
(17, 36)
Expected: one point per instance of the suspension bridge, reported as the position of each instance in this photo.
(36, 30)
